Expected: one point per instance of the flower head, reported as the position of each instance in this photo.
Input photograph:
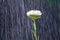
(34, 14)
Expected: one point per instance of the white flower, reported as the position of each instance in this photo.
(34, 12)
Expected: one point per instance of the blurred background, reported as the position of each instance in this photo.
(15, 25)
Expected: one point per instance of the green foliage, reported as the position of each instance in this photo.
(51, 2)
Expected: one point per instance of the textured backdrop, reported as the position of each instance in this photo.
(15, 25)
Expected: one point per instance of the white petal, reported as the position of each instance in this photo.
(34, 12)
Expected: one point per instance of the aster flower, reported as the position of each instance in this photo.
(34, 14)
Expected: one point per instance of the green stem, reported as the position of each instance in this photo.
(35, 34)
(34, 25)
(34, 31)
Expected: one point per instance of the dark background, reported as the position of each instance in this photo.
(15, 25)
